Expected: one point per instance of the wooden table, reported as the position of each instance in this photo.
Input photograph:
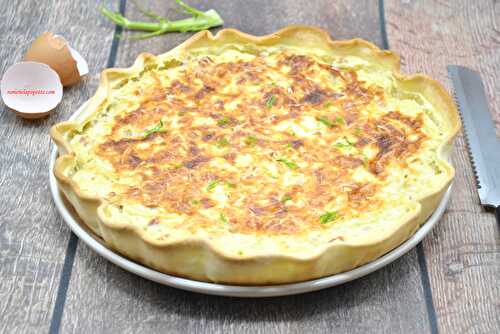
(49, 281)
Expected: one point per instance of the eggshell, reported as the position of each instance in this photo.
(81, 63)
(31, 89)
(55, 52)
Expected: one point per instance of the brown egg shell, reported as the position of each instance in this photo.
(54, 51)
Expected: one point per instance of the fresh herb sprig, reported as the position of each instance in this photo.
(157, 128)
(345, 143)
(290, 164)
(199, 20)
(270, 101)
(328, 217)
(251, 140)
(331, 123)
(223, 218)
(211, 186)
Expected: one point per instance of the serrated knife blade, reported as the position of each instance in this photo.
(483, 144)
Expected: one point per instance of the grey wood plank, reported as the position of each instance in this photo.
(463, 252)
(104, 298)
(33, 238)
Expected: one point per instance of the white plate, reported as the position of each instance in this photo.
(99, 247)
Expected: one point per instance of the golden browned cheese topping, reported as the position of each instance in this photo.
(278, 144)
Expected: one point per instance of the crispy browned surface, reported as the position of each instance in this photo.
(174, 165)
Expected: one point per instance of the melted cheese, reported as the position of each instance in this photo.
(248, 145)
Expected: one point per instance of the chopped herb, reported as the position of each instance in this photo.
(251, 140)
(327, 104)
(344, 144)
(358, 131)
(328, 217)
(169, 64)
(325, 121)
(195, 202)
(290, 164)
(435, 166)
(223, 142)
(223, 121)
(285, 199)
(223, 218)
(212, 185)
(339, 120)
(328, 122)
(181, 113)
(230, 185)
(157, 128)
(179, 165)
(270, 102)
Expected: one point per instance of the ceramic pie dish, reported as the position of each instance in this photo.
(258, 160)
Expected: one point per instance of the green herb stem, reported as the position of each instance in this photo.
(199, 21)
(328, 217)
(290, 164)
(270, 102)
(157, 128)
(212, 185)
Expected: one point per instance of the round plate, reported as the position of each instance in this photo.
(98, 245)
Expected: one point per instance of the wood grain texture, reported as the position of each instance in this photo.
(104, 298)
(463, 252)
(33, 238)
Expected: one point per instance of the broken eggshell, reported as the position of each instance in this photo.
(81, 64)
(54, 51)
(31, 89)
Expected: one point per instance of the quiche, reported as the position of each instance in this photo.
(258, 160)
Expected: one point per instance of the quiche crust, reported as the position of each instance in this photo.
(286, 255)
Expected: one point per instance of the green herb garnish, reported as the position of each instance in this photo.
(157, 128)
(327, 104)
(223, 142)
(285, 199)
(290, 164)
(339, 120)
(195, 202)
(223, 218)
(198, 21)
(170, 63)
(328, 217)
(223, 121)
(325, 121)
(344, 144)
(230, 185)
(251, 140)
(270, 102)
(328, 122)
(212, 185)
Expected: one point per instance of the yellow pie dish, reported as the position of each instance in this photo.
(258, 160)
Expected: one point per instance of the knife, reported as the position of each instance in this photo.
(483, 144)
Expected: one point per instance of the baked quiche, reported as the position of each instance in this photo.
(258, 160)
